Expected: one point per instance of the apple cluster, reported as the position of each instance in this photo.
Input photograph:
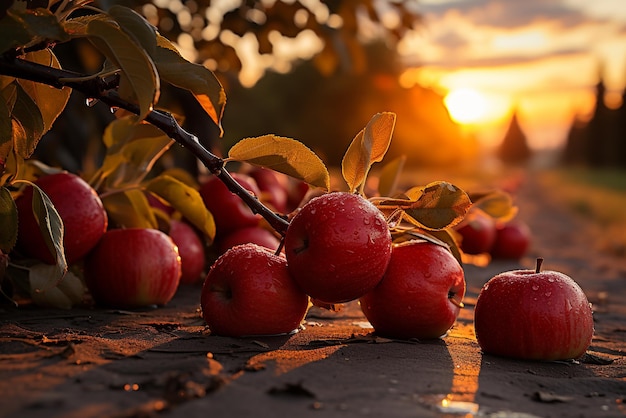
(482, 234)
(337, 248)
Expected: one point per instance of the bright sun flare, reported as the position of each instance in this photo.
(465, 105)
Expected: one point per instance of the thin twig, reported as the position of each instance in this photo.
(101, 89)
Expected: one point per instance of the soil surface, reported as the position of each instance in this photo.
(86, 363)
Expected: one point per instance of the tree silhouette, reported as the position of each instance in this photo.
(514, 148)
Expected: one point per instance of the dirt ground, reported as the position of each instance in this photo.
(88, 363)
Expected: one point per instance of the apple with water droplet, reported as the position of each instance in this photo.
(534, 315)
(478, 233)
(338, 246)
(133, 268)
(420, 295)
(78, 205)
(248, 291)
(252, 234)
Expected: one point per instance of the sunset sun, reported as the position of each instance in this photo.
(465, 105)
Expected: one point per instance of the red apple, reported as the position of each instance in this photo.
(252, 234)
(420, 295)
(338, 246)
(133, 268)
(512, 240)
(248, 291)
(229, 210)
(78, 205)
(478, 233)
(190, 249)
(273, 189)
(534, 315)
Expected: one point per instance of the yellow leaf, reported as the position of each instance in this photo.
(186, 200)
(284, 155)
(129, 209)
(368, 147)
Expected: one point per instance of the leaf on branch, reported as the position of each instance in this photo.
(28, 124)
(497, 204)
(389, 175)
(368, 147)
(50, 101)
(20, 28)
(51, 228)
(132, 150)
(136, 26)
(8, 220)
(435, 206)
(197, 79)
(129, 209)
(140, 81)
(186, 200)
(284, 155)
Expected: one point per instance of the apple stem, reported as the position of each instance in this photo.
(538, 266)
(99, 88)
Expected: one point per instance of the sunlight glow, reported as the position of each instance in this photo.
(465, 105)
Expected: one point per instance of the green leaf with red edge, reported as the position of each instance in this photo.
(47, 290)
(389, 176)
(368, 147)
(197, 79)
(50, 101)
(186, 200)
(8, 220)
(129, 209)
(28, 123)
(284, 155)
(51, 228)
(139, 80)
(23, 27)
(497, 204)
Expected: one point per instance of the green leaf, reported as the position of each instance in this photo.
(8, 220)
(284, 155)
(197, 79)
(50, 101)
(139, 78)
(129, 209)
(389, 175)
(438, 205)
(30, 124)
(186, 200)
(368, 147)
(48, 290)
(51, 227)
(19, 28)
(135, 25)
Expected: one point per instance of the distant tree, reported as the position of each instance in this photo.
(514, 147)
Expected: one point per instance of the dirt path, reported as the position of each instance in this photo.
(109, 363)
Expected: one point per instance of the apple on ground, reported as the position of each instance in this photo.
(229, 211)
(248, 291)
(512, 240)
(251, 234)
(420, 295)
(133, 268)
(338, 246)
(190, 249)
(478, 233)
(533, 315)
(84, 217)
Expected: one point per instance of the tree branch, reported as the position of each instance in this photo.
(101, 89)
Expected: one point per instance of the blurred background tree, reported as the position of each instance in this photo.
(313, 70)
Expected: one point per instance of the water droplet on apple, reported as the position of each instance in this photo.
(535, 287)
(548, 294)
(366, 221)
(551, 280)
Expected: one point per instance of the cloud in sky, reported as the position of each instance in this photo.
(468, 33)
